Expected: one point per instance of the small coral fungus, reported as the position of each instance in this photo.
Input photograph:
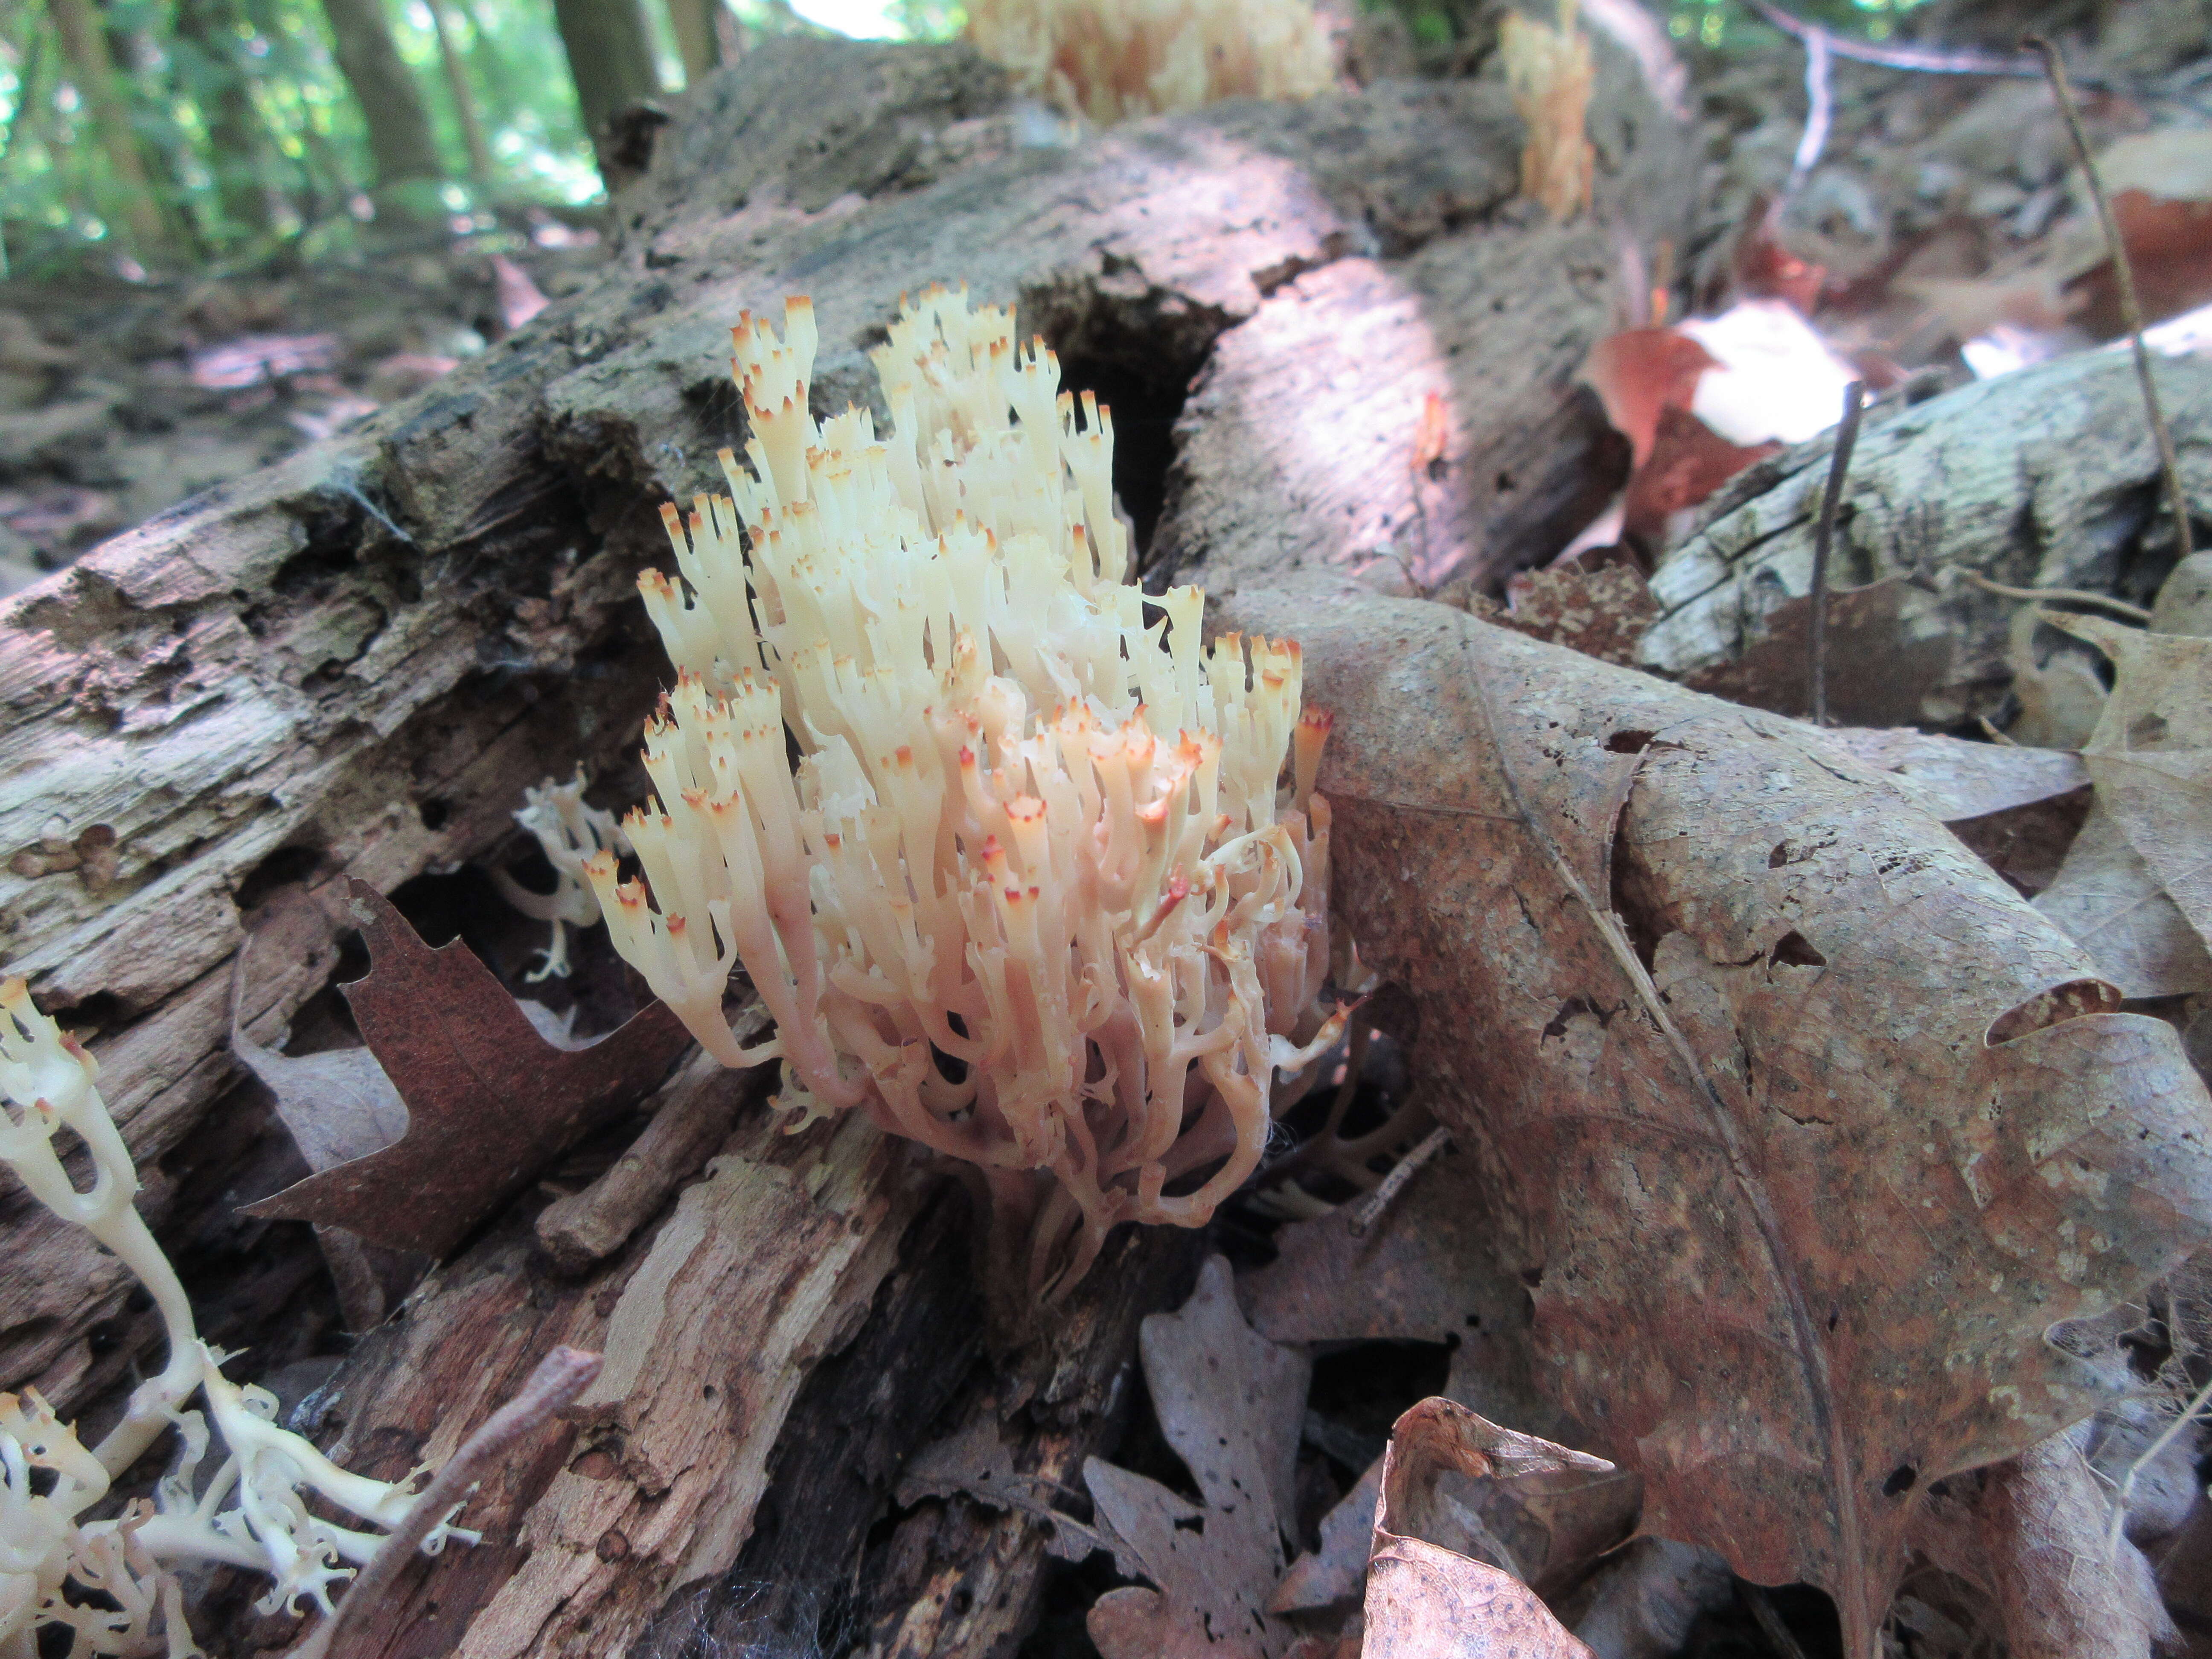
(1550, 74)
(1033, 897)
(1113, 60)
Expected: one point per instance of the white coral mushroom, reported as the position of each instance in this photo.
(570, 833)
(1033, 898)
(251, 1513)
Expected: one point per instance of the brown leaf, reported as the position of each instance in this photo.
(1602, 613)
(1688, 461)
(2030, 1533)
(1424, 1601)
(1787, 1111)
(2136, 886)
(339, 1105)
(1229, 1403)
(1640, 372)
(1954, 779)
(1887, 656)
(489, 1100)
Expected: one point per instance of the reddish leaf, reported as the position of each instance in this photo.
(1641, 371)
(1688, 461)
(490, 1102)
(1764, 269)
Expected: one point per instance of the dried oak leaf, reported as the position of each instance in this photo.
(1799, 1125)
(490, 1101)
(1229, 1402)
(1427, 1602)
(2136, 887)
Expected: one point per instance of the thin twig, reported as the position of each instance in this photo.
(2189, 1414)
(560, 1377)
(1823, 536)
(2065, 595)
(2123, 279)
(1819, 108)
(1921, 59)
(1371, 1206)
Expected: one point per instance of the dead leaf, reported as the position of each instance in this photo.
(2184, 604)
(2136, 886)
(1688, 462)
(519, 299)
(489, 1100)
(1425, 1274)
(1954, 779)
(2030, 1534)
(1798, 1126)
(1643, 1600)
(1639, 372)
(339, 1105)
(1229, 1402)
(1762, 268)
(1602, 613)
(1889, 655)
(1425, 1601)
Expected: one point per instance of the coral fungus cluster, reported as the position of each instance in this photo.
(1113, 60)
(1033, 897)
(1550, 75)
(108, 1581)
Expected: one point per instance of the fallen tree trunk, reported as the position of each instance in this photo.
(351, 665)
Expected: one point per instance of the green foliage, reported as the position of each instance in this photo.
(250, 138)
(1727, 25)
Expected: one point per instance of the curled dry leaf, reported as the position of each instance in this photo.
(2030, 1534)
(2136, 887)
(1799, 1125)
(1955, 779)
(1424, 1601)
(489, 1099)
(1229, 1403)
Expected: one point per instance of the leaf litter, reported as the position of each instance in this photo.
(1801, 1133)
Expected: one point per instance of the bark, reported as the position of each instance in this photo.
(353, 663)
(697, 37)
(400, 135)
(611, 59)
(93, 69)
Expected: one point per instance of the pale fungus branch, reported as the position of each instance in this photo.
(60, 1568)
(1033, 897)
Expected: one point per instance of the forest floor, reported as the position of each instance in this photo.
(119, 399)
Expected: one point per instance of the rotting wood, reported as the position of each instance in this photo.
(1993, 478)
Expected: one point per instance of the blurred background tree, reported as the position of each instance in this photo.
(168, 134)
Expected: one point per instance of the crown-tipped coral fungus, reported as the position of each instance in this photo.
(1114, 60)
(1033, 897)
(108, 1581)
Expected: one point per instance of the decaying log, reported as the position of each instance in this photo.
(2047, 477)
(1433, 305)
(351, 664)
